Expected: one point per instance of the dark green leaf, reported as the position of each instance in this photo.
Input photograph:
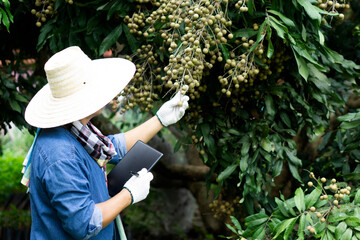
(281, 207)
(277, 168)
(303, 69)
(15, 105)
(260, 35)
(295, 172)
(353, 221)
(311, 10)
(130, 38)
(245, 32)
(290, 228)
(226, 173)
(110, 40)
(292, 158)
(337, 216)
(357, 197)
(270, 50)
(299, 199)
(347, 235)
(269, 103)
(236, 223)
(287, 21)
(285, 118)
(313, 197)
(301, 229)
(284, 225)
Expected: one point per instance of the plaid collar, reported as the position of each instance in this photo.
(97, 145)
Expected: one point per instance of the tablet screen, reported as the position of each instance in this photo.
(138, 157)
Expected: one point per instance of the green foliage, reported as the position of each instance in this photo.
(10, 175)
(266, 78)
(15, 218)
(14, 150)
(5, 15)
(321, 213)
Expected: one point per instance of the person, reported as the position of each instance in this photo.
(65, 165)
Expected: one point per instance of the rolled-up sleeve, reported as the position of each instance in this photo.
(67, 185)
(120, 146)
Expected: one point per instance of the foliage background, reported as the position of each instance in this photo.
(300, 111)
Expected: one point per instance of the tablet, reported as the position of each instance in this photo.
(138, 157)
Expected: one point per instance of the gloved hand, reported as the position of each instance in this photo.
(139, 186)
(173, 110)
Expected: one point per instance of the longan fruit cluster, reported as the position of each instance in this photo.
(139, 93)
(241, 5)
(205, 26)
(333, 6)
(223, 209)
(336, 189)
(46, 10)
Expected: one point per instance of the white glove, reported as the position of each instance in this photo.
(173, 110)
(139, 186)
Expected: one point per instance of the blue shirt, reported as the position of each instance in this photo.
(65, 185)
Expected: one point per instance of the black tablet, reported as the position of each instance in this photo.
(138, 157)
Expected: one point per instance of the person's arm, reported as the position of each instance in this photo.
(143, 132)
(135, 190)
(112, 207)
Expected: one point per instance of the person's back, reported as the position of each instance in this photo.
(66, 183)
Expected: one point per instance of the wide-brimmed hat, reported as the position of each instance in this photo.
(77, 87)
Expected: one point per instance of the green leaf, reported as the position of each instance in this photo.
(295, 172)
(245, 32)
(313, 197)
(290, 228)
(236, 223)
(226, 173)
(280, 29)
(21, 98)
(337, 216)
(15, 106)
(284, 225)
(259, 233)
(303, 33)
(347, 235)
(319, 79)
(178, 145)
(270, 50)
(301, 229)
(260, 35)
(353, 221)
(311, 10)
(245, 148)
(277, 168)
(269, 103)
(292, 158)
(267, 145)
(110, 40)
(130, 38)
(285, 118)
(350, 125)
(5, 19)
(281, 207)
(244, 163)
(321, 37)
(287, 21)
(303, 69)
(231, 228)
(299, 199)
(357, 197)
(225, 51)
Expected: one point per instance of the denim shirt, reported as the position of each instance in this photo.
(65, 185)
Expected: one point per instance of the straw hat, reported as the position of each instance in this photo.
(77, 87)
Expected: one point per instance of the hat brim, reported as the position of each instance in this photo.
(107, 77)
